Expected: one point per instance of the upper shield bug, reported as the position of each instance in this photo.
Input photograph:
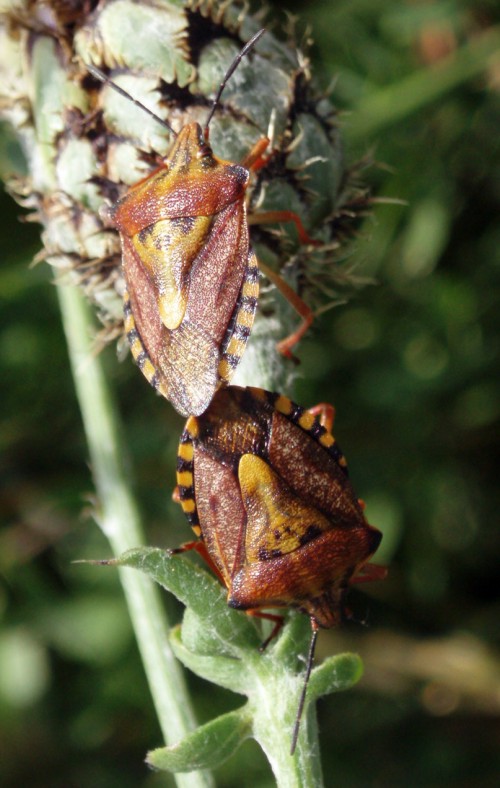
(266, 486)
(191, 275)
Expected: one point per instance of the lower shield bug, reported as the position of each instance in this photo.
(190, 272)
(266, 487)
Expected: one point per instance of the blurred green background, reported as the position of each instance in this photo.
(411, 364)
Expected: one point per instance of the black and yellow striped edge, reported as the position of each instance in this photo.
(305, 420)
(185, 474)
(295, 413)
(241, 323)
(235, 341)
(137, 348)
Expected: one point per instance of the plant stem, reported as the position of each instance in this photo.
(119, 520)
(274, 714)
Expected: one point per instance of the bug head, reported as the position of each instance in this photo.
(227, 76)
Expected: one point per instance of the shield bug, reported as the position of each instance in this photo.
(266, 487)
(191, 275)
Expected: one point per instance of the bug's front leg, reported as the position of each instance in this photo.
(274, 618)
(283, 217)
(199, 546)
(255, 159)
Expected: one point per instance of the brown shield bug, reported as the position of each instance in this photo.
(190, 272)
(265, 486)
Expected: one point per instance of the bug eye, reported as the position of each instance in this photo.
(206, 158)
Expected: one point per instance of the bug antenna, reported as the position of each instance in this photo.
(309, 664)
(232, 68)
(101, 76)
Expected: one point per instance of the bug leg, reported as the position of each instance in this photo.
(326, 414)
(199, 546)
(277, 621)
(184, 548)
(255, 160)
(369, 572)
(305, 312)
(279, 217)
(285, 345)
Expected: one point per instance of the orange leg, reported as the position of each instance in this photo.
(278, 217)
(300, 306)
(277, 620)
(326, 413)
(255, 160)
(369, 572)
(199, 547)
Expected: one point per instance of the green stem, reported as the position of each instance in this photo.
(385, 107)
(274, 708)
(120, 522)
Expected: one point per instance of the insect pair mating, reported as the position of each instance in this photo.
(259, 479)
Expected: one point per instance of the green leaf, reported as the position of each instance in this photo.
(189, 583)
(231, 673)
(200, 638)
(292, 643)
(207, 747)
(336, 673)
(196, 589)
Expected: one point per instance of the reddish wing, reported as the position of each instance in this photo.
(186, 259)
(276, 509)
